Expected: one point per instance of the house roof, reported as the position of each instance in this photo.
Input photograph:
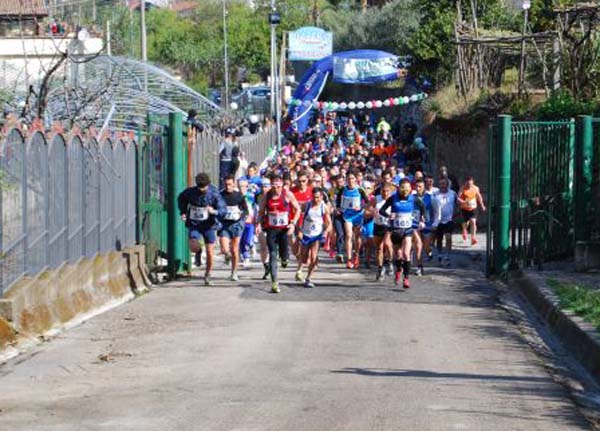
(23, 7)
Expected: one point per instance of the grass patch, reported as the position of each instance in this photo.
(582, 301)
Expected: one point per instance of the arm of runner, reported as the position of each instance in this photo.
(297, 209)
(261, 211)
(422, 210)
(480, 200)
(182, 203)
(327, 221)
(384, 209)
(460, 192)
(436, 213)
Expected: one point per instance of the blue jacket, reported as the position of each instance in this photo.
(193, 197)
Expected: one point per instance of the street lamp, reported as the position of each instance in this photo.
(275, 20)
(226, 58)
(526, 5)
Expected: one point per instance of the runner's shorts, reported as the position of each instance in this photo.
(469, 214)
(233, 230)
(368, 228)
(309, 240)
(380, 230)
(209, 235)
(398, 235)
(355, 219)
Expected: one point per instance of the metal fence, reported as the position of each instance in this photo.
(62, 199)
(593, 216)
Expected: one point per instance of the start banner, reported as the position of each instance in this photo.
(310, 44)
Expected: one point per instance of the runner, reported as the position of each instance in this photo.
(470, 200)
(275, 215)
(338, 218)
(247, 240)
(303, 194)
(232, 224)
(316, 223)
(423, 237)
(382, 233)
(405, 208)
(429, 187)
(262, 234)
(350, 204)
(447, 199)
(367, 231)
(199, 207)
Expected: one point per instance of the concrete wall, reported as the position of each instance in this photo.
(55, 298)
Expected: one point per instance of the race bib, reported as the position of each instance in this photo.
(198, 213)
(277, 219)
(312, 227)
(472, 204)
(351, 203)
(233, 213)
(402, 221)
(381, 220)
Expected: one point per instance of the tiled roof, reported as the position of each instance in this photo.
(23, 7)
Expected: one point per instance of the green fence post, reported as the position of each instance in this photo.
(584, 152)
(502, 222)
(174, 187)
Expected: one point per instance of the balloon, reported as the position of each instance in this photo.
(253, 118)
(398, 101)
(387, 102)
(378, 104)
(233, 106)
(360, 105)
(343, 105)
(369, 104)
(406, 100)
(335, 106)
(351, 105)
(307, 103)
(414, 98)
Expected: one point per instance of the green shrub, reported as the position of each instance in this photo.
(561, 105)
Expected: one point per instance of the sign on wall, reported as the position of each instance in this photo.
(310, 44)
(352, 70)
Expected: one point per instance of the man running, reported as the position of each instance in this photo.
(275, 213)
(200, 208)
(382, 232)
(350, 203)
(405, 207)
(423, 237)
(470, 200)
(232, 224)
(303, 194)
(247, 240)
(447, 199)
(316, 223)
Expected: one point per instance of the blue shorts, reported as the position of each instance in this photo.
(233, 230)
(368, 229)
(356, 219)
(209, 235)
(309, 240)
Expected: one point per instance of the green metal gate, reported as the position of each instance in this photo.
(531, 175)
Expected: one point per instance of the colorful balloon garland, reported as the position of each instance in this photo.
(371, 104)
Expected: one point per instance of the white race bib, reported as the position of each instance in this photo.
(312, 227)
(472, 204)
(402, 221)
(351, 203)
(233, 213)
(198, 213)
(278, 219)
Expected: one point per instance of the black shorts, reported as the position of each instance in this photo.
(398, 235)
(444, 228)
(380, 230)
(469, 215)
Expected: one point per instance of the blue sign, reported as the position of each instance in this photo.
(310, 43)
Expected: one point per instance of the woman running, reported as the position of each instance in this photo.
(350, 203)
(382, 232)
(316, 224)
(275, 215)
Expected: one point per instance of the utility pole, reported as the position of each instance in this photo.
(108, 44)
(273, 60)
(143, 30)
(274, 20)
(226, 59)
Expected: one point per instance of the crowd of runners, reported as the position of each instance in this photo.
(360, 190)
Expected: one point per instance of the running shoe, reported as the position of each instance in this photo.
(275, 287)
(356, 262)
(284, 263)
(332, 254)
(349, 264)
(234, 277)
(326, 247)
(380, 274)
(309, 284)
(299, 275)
(207, 281)
(430, 256)
(473, 241)
(389, 271)
(267, 271)
(339, 258)
(406, 283)
(198, 259)
(397, 278)
(419, 271)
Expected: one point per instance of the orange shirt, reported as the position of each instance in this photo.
(469, 196)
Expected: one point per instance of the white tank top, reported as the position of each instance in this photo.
(314, 221)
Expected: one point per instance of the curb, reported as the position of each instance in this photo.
(580, 337)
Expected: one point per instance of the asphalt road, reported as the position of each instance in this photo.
(351, 354)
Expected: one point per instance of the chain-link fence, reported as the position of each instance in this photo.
(62, 200)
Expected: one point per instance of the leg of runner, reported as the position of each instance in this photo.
(465, 226)
(448, 247)
(406, 257)
(348, 233)
(225, 245)
(195, 247)
(302, 260)
(235, 254)
(418, 243)
(388, 253)
(264, 253)
(210, 256)
(379, 246)
(338, 224)
(273, 243)
(312, 253)
(357, 237)
(473, 230)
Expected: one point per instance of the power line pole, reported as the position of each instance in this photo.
(143, 30)
(226, 60)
